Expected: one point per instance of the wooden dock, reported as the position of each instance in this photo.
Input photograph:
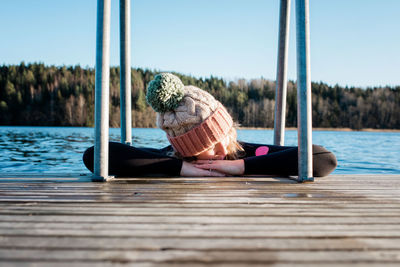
(66, 220)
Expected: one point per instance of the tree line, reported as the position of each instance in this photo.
(35, 94)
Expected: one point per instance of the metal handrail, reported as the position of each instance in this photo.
(304, 120)
(125, 71)
(281, 74)
(102, 92)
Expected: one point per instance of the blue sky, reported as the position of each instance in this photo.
(353, 42)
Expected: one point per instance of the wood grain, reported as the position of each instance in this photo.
(67, 220)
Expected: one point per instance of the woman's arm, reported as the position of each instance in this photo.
(190, 169)
(227, 167)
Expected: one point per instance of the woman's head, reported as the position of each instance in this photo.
(195, 122)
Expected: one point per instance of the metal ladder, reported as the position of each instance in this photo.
(102, 77)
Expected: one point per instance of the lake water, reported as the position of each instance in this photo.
(59, 149)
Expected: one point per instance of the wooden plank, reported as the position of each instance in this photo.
(228, 193)
(287, 212)
(205, 244)
(184, 233)
(351, 179)
(240, 208)
(241, 220)
(267, 205)
(192, 264)
(211, 213)
(198, 200)
(181, 197)
(195, 200)
(88, 175)
(4, 226)
(225, 191)
(243, 179)
(222, 190)
(187, 256)
(188, 197)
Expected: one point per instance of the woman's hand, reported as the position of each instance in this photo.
(189, 169)
(228, 167)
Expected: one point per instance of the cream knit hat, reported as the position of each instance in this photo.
(192, 118)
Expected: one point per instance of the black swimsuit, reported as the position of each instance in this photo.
(127, 160)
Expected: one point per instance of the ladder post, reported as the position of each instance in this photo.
(102, 80)
(125, 71)
(304, 116)
(281, 73)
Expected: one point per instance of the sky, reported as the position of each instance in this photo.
(353, 42)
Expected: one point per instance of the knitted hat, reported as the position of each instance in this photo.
(192, 118)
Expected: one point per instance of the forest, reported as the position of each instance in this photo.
(39, 95)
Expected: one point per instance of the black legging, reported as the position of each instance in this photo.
(283, 160)
(127, 160)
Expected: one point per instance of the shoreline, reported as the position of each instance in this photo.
(239, 128)
(328, 129)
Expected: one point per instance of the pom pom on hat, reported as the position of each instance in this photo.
(164, 92)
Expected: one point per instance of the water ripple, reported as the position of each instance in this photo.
(59, 149)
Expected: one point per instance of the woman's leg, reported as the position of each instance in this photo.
(282, 160)
(125, 160)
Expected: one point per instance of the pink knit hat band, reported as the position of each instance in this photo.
(201, 138)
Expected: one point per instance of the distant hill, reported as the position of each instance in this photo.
(35, 94)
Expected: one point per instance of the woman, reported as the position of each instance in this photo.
(203, 141)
